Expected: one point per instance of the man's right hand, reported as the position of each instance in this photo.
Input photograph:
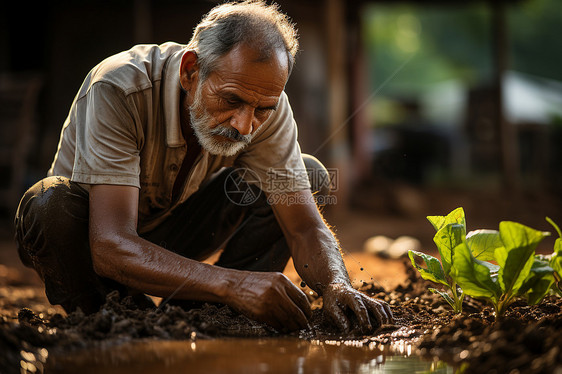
(271, 298)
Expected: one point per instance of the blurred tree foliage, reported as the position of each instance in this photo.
(426, 61)
(421, 45)
(535, 28)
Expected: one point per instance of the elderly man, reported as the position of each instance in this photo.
(152, 173)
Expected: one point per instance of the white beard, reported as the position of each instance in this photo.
(201, 121)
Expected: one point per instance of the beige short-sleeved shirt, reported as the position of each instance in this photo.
(124, 129)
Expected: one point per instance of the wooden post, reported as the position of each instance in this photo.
(359, 91)
(337, 96)
(508, 141)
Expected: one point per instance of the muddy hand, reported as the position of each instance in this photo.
(340, 299)
(271, 298)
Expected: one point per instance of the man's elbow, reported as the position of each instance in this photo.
(104, 253)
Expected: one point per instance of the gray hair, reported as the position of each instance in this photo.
(252, 22)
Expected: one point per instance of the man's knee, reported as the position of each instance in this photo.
(318, 175)
(51, 191)
(53, 206)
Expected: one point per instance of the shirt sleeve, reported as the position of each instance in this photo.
(107, 138)
(274, 155)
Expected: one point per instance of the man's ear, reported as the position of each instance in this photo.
(188, 70)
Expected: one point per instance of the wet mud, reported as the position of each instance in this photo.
(527, 340)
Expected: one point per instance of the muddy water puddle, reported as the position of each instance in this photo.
(288, 355)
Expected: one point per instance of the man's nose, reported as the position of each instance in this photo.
(243, 119)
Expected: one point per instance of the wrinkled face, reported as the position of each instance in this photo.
(229, 107)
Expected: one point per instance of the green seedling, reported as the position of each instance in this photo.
(497, 266)
(518, 271)
(555, 260)
(451, 231)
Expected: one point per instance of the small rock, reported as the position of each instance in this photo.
(377, 244)
(402, 245)
(386, 247)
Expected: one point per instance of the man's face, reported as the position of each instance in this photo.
(229, 107)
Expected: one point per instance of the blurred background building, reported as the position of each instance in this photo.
(402, 97)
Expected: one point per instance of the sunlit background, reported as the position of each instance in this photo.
(421, 106)
(455, 60)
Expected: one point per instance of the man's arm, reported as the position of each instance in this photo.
(120, 254)
(318, 261)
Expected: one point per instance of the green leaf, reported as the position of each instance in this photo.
(539, 289)
(556, 262)
(456, 216)
(436, 221)
(555, 226)
(538, 282)
(558, 246)
(516, 257)
(540, 267)
(446, 239)
(473, 275)
(483, 243)
(556, 259)
(494, 269)
(444, 295)
(514, 235)
(558, 242)
(433, 272)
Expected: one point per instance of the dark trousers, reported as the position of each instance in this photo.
(225, 213)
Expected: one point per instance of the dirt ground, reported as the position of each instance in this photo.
(527, 340)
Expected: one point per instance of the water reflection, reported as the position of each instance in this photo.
(244, 356)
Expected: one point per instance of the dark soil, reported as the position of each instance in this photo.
(527, 340)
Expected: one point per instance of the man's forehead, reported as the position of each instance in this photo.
(244, 66)
(245, 61)
(243, 54)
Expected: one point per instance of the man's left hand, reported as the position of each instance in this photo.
(341, 299)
